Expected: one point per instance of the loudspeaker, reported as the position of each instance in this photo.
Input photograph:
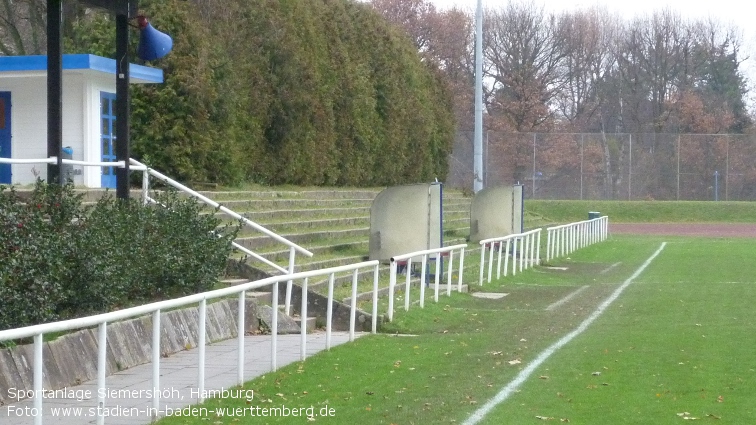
(153, 44)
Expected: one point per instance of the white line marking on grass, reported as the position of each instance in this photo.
(610, 267)
(568, 297)
(505, 392)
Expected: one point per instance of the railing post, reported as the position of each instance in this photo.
(274, 326)
(201, 346)
(102, 352)
(38, 378)
(303, 323)
(436, 277)
(422, 280)
(155, 364)
(353, 307)
(287, 302)
(514, 256)
(498, 260)
(526, 253)
(392, 287)
(240, 331)
(461, 269)
(506, 257)
(449, 273)
(482, 262)
(490, 261)
(145, 186)
(329, 310)
(523, 251)
(374, 327)
(407, 282)
(538, 248)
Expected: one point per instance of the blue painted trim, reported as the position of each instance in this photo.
(79, 62)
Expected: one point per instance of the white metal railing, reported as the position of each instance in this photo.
(102, 320)
(293, 247)
(147, 172)
(406, 260)
(565, 239)
(525, 247)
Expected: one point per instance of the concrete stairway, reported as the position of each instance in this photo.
(334, 224)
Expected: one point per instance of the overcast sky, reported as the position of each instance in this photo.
(741, 13)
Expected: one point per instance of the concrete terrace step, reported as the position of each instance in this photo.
(244, 205)
(260, 242)
(314, 225)
(334, 247)
(274, 215)
(219, 196)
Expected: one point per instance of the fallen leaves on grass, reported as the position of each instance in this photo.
(687, 416)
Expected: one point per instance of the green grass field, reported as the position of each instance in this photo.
(677, 344)
(564, 211)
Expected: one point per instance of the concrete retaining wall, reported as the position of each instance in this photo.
(72, 358)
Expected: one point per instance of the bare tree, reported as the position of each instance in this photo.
(587, 66)
(414, 16)
(654, 58)
(524, 48)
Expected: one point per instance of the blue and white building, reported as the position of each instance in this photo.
(89, 87)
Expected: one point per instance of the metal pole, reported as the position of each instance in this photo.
(534, 164)
(727, 169)
(678, 167)
(478, 144)
(155, 364)
(716, 185)
(630, 172)
(122, 105)
(55, 89)
(102, 358)
(38, 378)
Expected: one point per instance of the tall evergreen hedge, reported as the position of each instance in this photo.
(308, 92)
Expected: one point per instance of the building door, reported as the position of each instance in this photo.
(107, 137)
(5, 135)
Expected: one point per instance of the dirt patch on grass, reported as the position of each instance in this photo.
(718, 230)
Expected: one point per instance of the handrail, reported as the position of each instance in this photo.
(170, 181)
(529, 252)
(566, 238)
(138, 166)
(424, 254)
(214, 204)
(155, 308)
(241, 248)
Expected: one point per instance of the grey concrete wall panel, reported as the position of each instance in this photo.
(491, 213)
(518, 224)
(402, 220)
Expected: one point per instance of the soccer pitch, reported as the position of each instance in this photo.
(675, 345)
(644, 339)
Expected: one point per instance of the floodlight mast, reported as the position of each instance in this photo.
(478, 142)
(123, 9)
(55, 90)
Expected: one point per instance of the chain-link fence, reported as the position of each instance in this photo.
(613, 166)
